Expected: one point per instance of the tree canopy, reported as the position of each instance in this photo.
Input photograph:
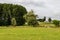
(9, 11)
(31, 18)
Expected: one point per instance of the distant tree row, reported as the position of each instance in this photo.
(44, 19)
(12, 14)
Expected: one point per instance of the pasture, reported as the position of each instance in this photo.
(29, 33)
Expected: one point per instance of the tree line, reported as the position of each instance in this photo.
(11, 14)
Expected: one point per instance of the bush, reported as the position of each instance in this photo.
(33, 23)
(56, 22)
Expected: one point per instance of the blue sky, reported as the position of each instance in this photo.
(48, 8)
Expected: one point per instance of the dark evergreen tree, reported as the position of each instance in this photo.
(44, 19)
(49, 19)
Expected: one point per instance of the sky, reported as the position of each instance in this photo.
(48, 8)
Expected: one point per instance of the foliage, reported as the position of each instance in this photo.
(9, 11)
(42, 20)
(49, 19)
(33, 23)
(56, 22)
(30, 18)
(13, 21)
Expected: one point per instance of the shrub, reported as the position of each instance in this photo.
(33, 23)
(56, 22)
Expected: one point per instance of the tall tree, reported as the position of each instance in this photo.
(44, 19)
(9, 11)
(31, 18)
(49, 19)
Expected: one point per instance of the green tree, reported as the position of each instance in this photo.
(10, 11)
(44, 19)
(31, 18)
(49, 19)
(56, 22)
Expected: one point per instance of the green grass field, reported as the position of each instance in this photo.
(29, 33)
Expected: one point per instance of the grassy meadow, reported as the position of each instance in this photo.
(29, 33)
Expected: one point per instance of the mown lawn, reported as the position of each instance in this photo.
(29, 33)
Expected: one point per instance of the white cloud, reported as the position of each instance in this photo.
(49, 8)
